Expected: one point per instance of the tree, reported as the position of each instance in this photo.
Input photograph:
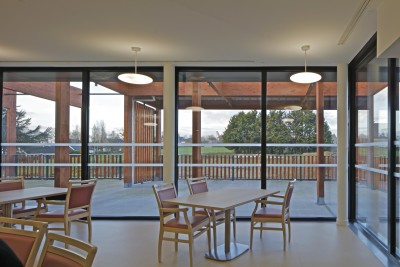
(24, 134)
(246, 128)
(99, 134)
(75, 135)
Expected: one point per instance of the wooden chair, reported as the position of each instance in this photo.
(199, 185)
(76, 207)
(23, 237)
(79, 253)
(267, 214)
(20, 210)
(181, 223)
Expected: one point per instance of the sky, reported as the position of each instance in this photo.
(109, 108)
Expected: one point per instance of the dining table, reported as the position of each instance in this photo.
(8, 198)
(226, 200)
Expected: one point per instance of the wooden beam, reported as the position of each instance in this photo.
(196, 130)
(62, 173)
(45, 90)
(10, 103)
(128, 133)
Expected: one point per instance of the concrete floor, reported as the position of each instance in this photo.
(112, 199)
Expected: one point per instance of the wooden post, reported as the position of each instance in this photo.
(320, 140)
(128, 128)
(158, 156)
(196, 129)
(10, 103)
(62, 173)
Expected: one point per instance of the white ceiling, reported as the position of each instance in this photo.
(186, 32)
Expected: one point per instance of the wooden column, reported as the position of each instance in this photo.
(372, 133)
(128, 133)
(320, 140)
(158, 155)
(196, 130)
(62, 174)
(10, 103)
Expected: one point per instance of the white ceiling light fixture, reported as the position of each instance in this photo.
(135, 78)
(305, 77)
(294, 108)
(194, 108)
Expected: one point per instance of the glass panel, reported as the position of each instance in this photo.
(397, 172)
(39, 111)
(219, 130)
(371, 147)
(301, 142)
(125, 144)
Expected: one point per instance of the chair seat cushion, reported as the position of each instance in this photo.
(59, 213)
(8, 256)
(52, 260)
(180, 221)
(20, 209)
(267, 212)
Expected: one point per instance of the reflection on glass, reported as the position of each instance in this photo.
(371, 147)
(221, 139)
(38, 111)
(125, 144)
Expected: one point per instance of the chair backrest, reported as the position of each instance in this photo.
(8, 184)
(288, 195)
(197, 185)
(164, 192)
(23, 237)
(66, 252)
(80, 193)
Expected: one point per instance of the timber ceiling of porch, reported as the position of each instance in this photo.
(214, 95)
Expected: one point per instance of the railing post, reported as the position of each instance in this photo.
(120, 167)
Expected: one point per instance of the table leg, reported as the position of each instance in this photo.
(229, 250)
(7, 212)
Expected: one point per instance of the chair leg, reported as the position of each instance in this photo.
(160, 237)
(191, 250)
(251, 235)
(261, 225)
(234, 225)
(176, 241)
(288, 223)
(67, 227)
(284, 235)
(89, 222)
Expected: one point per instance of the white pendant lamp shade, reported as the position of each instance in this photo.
(305, 77)
(135, 78)
(194, 108)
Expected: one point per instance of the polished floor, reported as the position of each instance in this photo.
(134, 244)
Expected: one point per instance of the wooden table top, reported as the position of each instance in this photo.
(30, 193)
(222, 199)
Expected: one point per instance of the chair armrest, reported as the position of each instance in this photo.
(265, 201)
(277, 196)
(51, 202)
(174, 210)
(273, 202)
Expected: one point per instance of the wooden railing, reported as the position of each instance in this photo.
(234, 166)
(276, 168)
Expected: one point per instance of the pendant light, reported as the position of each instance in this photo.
(305, 77)
(135, 78)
